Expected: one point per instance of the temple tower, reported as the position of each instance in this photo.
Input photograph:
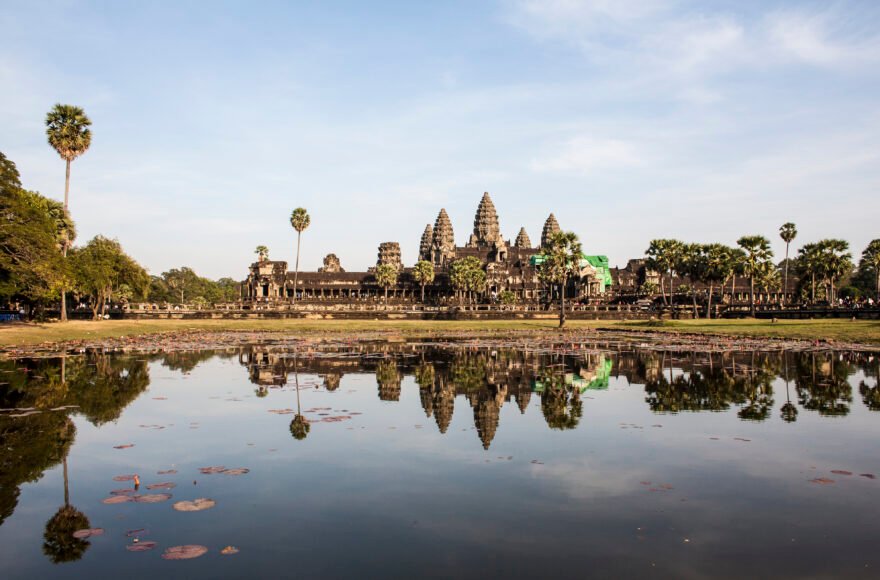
(442, 240)
(522, 239)
(331, 264)
(551, 226)
(487, 233)
(425, 244)
(389, 253)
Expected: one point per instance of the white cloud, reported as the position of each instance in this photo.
(586, 154)
(810, 38)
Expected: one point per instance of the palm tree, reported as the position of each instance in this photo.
(693, 262)
(871, 261)
(423, 274)
(788, 232)
(662, 257)
(718, 267)
(262, 253)
(809, 263)
(837, 262)
(300, 220)
(67, 129)
(386, 276)
(560, 260)
(757, 251)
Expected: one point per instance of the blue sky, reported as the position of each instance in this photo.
(628, 119)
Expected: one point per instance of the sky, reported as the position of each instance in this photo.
(628, 119)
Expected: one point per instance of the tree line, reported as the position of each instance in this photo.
(824, 270)
(40, 268)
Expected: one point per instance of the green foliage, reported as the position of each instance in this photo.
(757, 258)
(300, 219)
(386, 276)
(101, 268)
(788, 232)
(561, 258)
(31, 226)
(467, 275)
(67, 129)
(507, 298)
(262, 253)
(663, 255)
(868, 277)
(184, 286)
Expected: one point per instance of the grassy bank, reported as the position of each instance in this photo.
(13, 335)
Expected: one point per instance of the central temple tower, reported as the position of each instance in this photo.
(487, 233)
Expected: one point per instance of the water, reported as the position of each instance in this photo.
(438, 461)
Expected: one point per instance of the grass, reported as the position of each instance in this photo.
(16, 335)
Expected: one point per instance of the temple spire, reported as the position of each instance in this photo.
(443, 240)
(522, 239)
(551, 226)
(486, 229)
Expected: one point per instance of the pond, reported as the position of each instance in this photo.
(417, 459)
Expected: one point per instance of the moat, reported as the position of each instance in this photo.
(440, 459)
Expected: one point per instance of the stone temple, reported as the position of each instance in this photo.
(510, 268)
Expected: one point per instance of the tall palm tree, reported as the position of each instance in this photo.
(662, 257)
(718, 266)
(788, 232)
(386, 277)
(67, 129)
(809, 263)
(871, 261)
(757, 251)
(560, 260)
(262, 253)
(424, 275)
(837, 262)
(300, 220)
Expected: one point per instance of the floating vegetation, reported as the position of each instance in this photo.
(210, 470)
(88, 533)
(144, 547)
(114, 499)
(152, 497)
(236, 471)
(229, 550)
(163, 485)
(125, 477)
(186, 552)
(195, 505)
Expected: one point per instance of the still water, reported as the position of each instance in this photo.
(439, 460)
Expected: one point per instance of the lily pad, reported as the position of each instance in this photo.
(210, 470)
(152, 497)
(822, 481)
(195, 505)
(186, 552)
(141, 547)
(236, 471)
(124, 446)
(125, 477)
(88, 533)
(117, 499)
(163, 485)
(167, 472)
(229, 550)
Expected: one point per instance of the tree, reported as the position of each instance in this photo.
(757, 252)
(299, 220)
(467, 276)
(386, 277)
(870, 263)
(809, 264)
(560, 260)
(67, 130)
(262, 253)
(32, 229)
(662, 257)
(837, 263)
(718, 267)
(100, 268)
(423, 274)
(788, 232)
(693, 263)
(182, 282)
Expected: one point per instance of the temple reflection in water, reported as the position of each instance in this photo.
(40, 398)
